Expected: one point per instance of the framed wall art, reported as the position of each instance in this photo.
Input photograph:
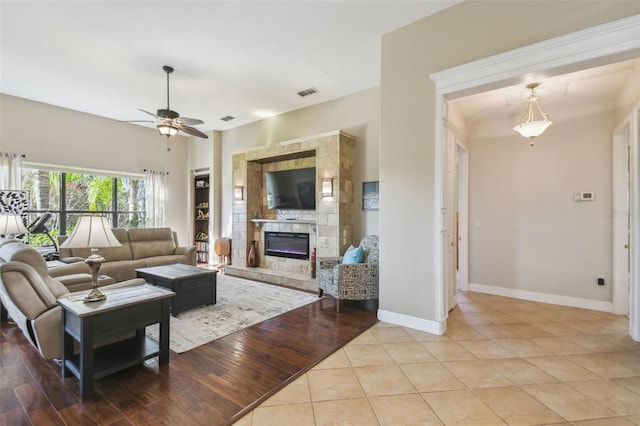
(370, 195)
(16, 202)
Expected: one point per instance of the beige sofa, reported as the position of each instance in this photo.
(29, 295)
(141, 247)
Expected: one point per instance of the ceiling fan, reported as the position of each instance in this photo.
(170, 122)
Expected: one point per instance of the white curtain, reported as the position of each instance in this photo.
(155, 183)
(10, 171)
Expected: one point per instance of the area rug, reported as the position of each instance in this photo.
(240, 303)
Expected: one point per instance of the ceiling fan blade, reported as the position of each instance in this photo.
(136, 121)
(192, 131)
(150, 113)
(190, 121)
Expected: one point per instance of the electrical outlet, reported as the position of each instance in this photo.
(600, 280)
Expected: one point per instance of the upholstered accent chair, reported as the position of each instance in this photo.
(351, 281)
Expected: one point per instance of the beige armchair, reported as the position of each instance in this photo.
(353, 281)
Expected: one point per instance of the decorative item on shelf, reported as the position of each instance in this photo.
(529, 127)
(11, 225)
(202, 215)
(92, 232)
(201, 236)
(313, 263)
(327, 187)
(201, 184)
(252, 256)
(238, 193)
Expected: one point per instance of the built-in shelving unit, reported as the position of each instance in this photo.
(201, 217)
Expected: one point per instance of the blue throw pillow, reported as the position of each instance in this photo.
(353, 255)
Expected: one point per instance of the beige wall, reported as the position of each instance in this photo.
(526, 232)
(629, 97)
(466, 32)
(53, 135)
(204, 154)
(357, 115)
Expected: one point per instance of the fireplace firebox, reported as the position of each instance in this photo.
(294, 245)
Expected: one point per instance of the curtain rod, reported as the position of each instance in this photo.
(11, 153)
(146, 170)
(66, 168)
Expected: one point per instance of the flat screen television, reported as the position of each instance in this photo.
(291, 189)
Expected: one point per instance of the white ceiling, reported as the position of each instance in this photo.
(563, 97)
(247, 59)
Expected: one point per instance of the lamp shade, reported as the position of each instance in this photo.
(11, 224)
(91, 232)
(532, 129)
(327, 187)
(167, 129)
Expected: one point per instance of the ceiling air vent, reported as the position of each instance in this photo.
(227, 118)
(309, 91)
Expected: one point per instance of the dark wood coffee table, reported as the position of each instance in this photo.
(193, 286)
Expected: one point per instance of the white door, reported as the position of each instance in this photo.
(449, 237)
(621, 218)
(462, 216)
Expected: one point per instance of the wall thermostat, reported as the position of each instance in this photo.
(584, 196)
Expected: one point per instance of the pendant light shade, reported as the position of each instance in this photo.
(534, 121)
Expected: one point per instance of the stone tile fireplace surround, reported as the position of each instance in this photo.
(328, 226)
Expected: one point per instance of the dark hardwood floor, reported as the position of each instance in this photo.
(214, 384)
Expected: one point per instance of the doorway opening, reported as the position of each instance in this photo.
(591, 47)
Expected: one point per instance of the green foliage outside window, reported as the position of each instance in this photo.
(83, 193)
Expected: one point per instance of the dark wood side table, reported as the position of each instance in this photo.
(193, 286)
(126, 309)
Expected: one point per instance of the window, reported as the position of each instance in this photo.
(67, 195)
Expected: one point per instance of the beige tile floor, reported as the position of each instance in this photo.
(502, 361)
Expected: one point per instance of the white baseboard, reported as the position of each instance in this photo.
(575, 302)
(421, 324)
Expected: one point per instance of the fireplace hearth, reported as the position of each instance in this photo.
(293, 245)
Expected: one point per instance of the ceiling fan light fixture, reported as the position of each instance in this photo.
(170, 121)
(531, 126)
(167, 130)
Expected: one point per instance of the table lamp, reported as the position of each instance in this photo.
(92, 232)
(11, 225)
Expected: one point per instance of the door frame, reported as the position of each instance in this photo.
(599, 45)
(634, 250)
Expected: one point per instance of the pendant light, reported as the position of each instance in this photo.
(529, 126)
